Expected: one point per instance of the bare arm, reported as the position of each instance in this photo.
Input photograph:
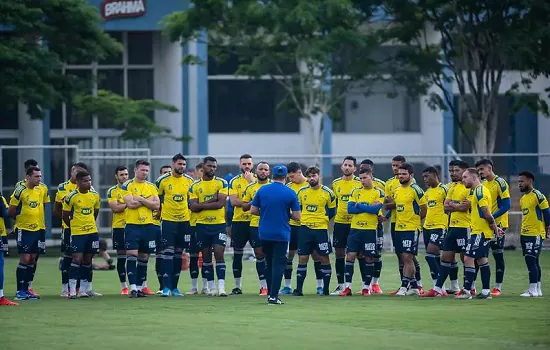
(423, 211)
(235, 201)
(296, 215)
(254, 210)
(152, 202)
(389, 204)
(451, 206)
(58, 209)
(12, 211)
(247, 206)
(67, 218)
(117, 207)
(96, 213)
(131, 202)
(489, 217)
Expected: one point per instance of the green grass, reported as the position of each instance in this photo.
(246, 322)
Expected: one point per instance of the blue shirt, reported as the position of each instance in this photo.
(275, 202)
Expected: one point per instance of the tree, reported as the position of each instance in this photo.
(478, 41)
(315, 49)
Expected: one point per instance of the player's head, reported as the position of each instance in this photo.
(75, 168)
(526, 181)
(83, 181)
(405, 173)
(430, 176)
(470, 178)
(33, 175)
(199, 171)
(262, 171)
(210, 165)
(366, 163)
(484, 168)
(30, 162)
(165, 169)
(313, 175)
(121, 174)
(396, 163)
(349, 166)
(294, 172)
(245, 163)
(179, 163)
(280, 172)
(141, 171)
(456, 168)
(365, 176)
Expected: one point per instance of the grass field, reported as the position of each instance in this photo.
(246, 322)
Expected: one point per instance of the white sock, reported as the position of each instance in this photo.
(140, 287)
(288, 283)
(239, 283)
(438, 289)
(123, 285)
(65, 287)
(195, 283)
(485, 291)
(144, 284)
(204, 283)
(319, 283)
(30, 284)
(83, 286)
(90, 287)
(263, 284)
(454, 285)
(72, 287)
(533, 288)
(419, 283)
(133, 287)
(348, 285)
(498, 286)
(221, 284)
(1, 293)
(341, 285)
(375, 280)
(473, 285)
(211, 285)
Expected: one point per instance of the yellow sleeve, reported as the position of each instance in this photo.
(160, 187)
(387, 190)
(482, 199)
(67, 205)
(543, 202)
(97, 202)
(46, 195)
(154, 191)
(15, 198)
(59, 195)
(248, 195)
(192, 192)
(332, 200)
(420, 197)
(503, 189)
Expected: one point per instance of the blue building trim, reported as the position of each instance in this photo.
(202, 95)
(185, 100)
(448, 120)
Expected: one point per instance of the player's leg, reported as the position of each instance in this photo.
(219, 241)
(41, 251)
(305, 249)
(317, 268)
(119, 246)
(27, 245)
(459, 240)
(404, 246)
(292, 249)
(148, 238)
(497, 247)
(239, 234)
(77, 248)
(354, 245)
(132, 247)
(3, 300)
(394, 242)
(432, 242)
(66, 260)
(261, 263)
(375, 287)
(183, 240)
(339, 242)
(91, 250)
(473, 251)
(539, 285)
(324, 248)
(194, 262)
(205, 243)
(530, 247)
(168, 234)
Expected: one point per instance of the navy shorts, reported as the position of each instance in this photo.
(118, 239)
(455, 240)
(4, 247)
(478, 246)
(531, 245)
(406, 242)
(142, 238)
(176, 234)
(255, 241)
(313, 240)
(340, 235)
(497, 244)
(66, 240)
(380, 239)
(294, 237)
(392, 232)
(42, 243)
(209, 235)
(158, 238)
(27, 241)
(194, 247)
(363, 241)
(240, 234)
(434, 236)
(85, 244)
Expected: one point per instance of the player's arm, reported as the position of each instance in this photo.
(15, 200)
(116, 206)
(331, 206)
(97, 206)
(217, 203)
(58, 203)
(505, 203)
(234, 197)
(132, 202)
(66, 213)
(463, 206)
(490, 219)
(389, 203)
(295, 208)
(545, 210)
(153, 202)
(254, 205)
(247, 201)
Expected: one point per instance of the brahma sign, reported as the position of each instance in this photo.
(120, 8)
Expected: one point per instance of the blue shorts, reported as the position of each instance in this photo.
(340, 235)
(363, 241)
(176, 234)
(142, 238)
(478, 246)
(497, 244)
(531, 245)
(240, 234)
(209, 235)
(194, 247)
(158, 238)
(118, 239)
(85, 244)
(294, 234)
(42, 243)
(455, 240)
(406, 242)
(27, 241)
(392, 232)
(4, 247)
(434, 236)
(66, 240)
(380, 239)
(310, 240)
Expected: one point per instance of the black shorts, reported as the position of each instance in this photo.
(294, 234)
(240, 234)
(455, 240)
(340, 235)
(497, 244)
(434, 236)
(478, 246)
(363, 241)
(66, 241)
(118, 239)
(313, 240)
(406, 242)
(85, 244)
(531, 245)
(194, 247)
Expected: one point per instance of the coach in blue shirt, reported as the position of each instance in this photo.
(275, 204)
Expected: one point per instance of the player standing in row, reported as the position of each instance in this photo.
(318, 204)
(173, 189)
(342, 188)
(159, 257)
(240, 224)
(410, 206)
(500, 205)
(141, 198)
(115, 198)
(535, 225)
(208, 198)
(3, 248)
(262, 174)
(194, 248)
(80, 210)
(365, 206)
(484, 229)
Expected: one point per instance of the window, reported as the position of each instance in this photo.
(9, 118)
(140, 48)
(56, 117)
(140, 84)
(74, 120)
(116, 59)
(8, 172)
(111, 80)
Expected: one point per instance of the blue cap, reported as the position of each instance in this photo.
(280, 170)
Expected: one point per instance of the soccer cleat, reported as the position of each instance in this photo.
(147, 291)
(366, 292)
(21, 295)
(211, 293)
(159, 292)
(473, 291)
(274, 301)
(528, 294)
(345, 293)
(192, 291)
(395, 292)
(444, 293)
(338, 290)
(496, 292)
(451, 291)
(176, 293)
(263, 292)
(133, 294)
(431, 294)
(484, 296)
(140, 294)
(73, 296)
(319, 290)
(205, 291)
(32, 292)
(414, 291)
(64, 294)
(376, 289)
(222, 293)
(124, 291)
(31, 296)
(463, 294)
(297, 293)
(5, 302)
(401, 292)
(237, 291)
(93, 293)
(286, 291)
(166, 292)
(420, 290)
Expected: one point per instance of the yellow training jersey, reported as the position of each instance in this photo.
(116, 194)
(174, 193)
(249, 193)
(3, 230)
(436, 217)
(365, 221)
(45, 195)
(499, 189)
(205, 190)
(342, 188)
(379, 184)
(314, 203)
(62, 190)
(480, 197)
(390, 187)
(82, 207)
(408, 200)
(28, 202)
(141, 215)
(237, 186)
(457, 192)
(532, 222)
(296, 188)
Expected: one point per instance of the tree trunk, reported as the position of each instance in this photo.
(315, 127)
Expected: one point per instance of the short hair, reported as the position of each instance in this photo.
(472, 171)
(399, 158)
(483, 162)
(353, 159)
(164, 167)
(293, 167)
(177, 157)
(408, 167)
(209, 159)
(30, 162)
(31, 170)
(365, 171)
(528, 175)
(199, 166)
(431, 170)
(367, 162)
(80, 165)
(262, 162)
(313, 170)
(459, 163)
(245, 156)
(82, 174)
(142, 162)
(120, 168)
